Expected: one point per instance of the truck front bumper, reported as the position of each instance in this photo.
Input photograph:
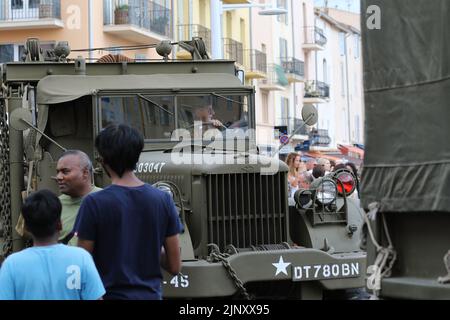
(202, 279)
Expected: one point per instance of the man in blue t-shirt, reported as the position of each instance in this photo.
(126, 225)
(48, 270)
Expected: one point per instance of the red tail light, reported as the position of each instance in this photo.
(345, 183)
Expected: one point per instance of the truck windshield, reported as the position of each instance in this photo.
(157, 117)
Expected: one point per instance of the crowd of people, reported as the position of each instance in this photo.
(303, 173)
(91, 243)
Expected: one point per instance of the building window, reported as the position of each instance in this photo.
(342, 80)
(342, 43)
(325, 71)
(283, 48)
(265, 107)
(357, 129)
(15, 52)
(284, 110)
(357, 48)
(282, 4)
(7, 53)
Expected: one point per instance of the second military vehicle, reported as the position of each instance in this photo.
(406, 176)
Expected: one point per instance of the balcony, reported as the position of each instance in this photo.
(294, 69)
(28, 14)
(276, 79)
(255, 64)
(292, 125)
(233, 50)
(316, 92)
(139, 21)
(319, 138)
(314, 39)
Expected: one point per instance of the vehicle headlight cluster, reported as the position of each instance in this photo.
(326, 191)
(323, 191)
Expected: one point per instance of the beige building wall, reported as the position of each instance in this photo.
(72, 27)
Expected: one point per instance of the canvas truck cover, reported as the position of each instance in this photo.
(407, 105)
(62, 88)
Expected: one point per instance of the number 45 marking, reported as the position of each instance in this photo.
(180, 280)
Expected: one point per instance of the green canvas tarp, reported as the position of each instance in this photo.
(407, 105)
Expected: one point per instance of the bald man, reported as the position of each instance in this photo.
(74, 178)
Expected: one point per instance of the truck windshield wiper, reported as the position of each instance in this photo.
(155, 104)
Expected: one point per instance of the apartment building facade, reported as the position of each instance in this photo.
(340, 63)
(85, 24)
(289, 42)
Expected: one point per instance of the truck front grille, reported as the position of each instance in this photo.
(247, 209)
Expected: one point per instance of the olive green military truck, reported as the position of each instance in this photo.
(406, 176)
(242, 236)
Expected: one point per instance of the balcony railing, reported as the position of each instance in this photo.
(320, 138)
(292, 125)
(316, 89)
(293, 66)
(233, 50)
(144, 14)
(276, 78)
(43, 9)
(255, 61)
(188, 31)
(314, 35)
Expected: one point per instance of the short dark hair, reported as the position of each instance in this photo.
(318, 171)
(41, 212)
(120, 146)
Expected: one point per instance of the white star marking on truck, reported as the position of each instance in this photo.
(281, 266)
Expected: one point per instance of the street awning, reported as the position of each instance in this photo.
(351, 151)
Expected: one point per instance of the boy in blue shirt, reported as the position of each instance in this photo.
(48, 270)
(125, 225)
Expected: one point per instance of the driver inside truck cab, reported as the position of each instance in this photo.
(205, 114)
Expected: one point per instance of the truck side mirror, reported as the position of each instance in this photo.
(20, 119)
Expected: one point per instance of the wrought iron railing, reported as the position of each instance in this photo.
(316, 89)
(233, 50)
(43, 9)
(255, 61)
(293, 66)
(314, 35)
(319, 137)
(145, 14)
(188, 31)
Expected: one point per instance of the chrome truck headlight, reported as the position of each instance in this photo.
(325, 190)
